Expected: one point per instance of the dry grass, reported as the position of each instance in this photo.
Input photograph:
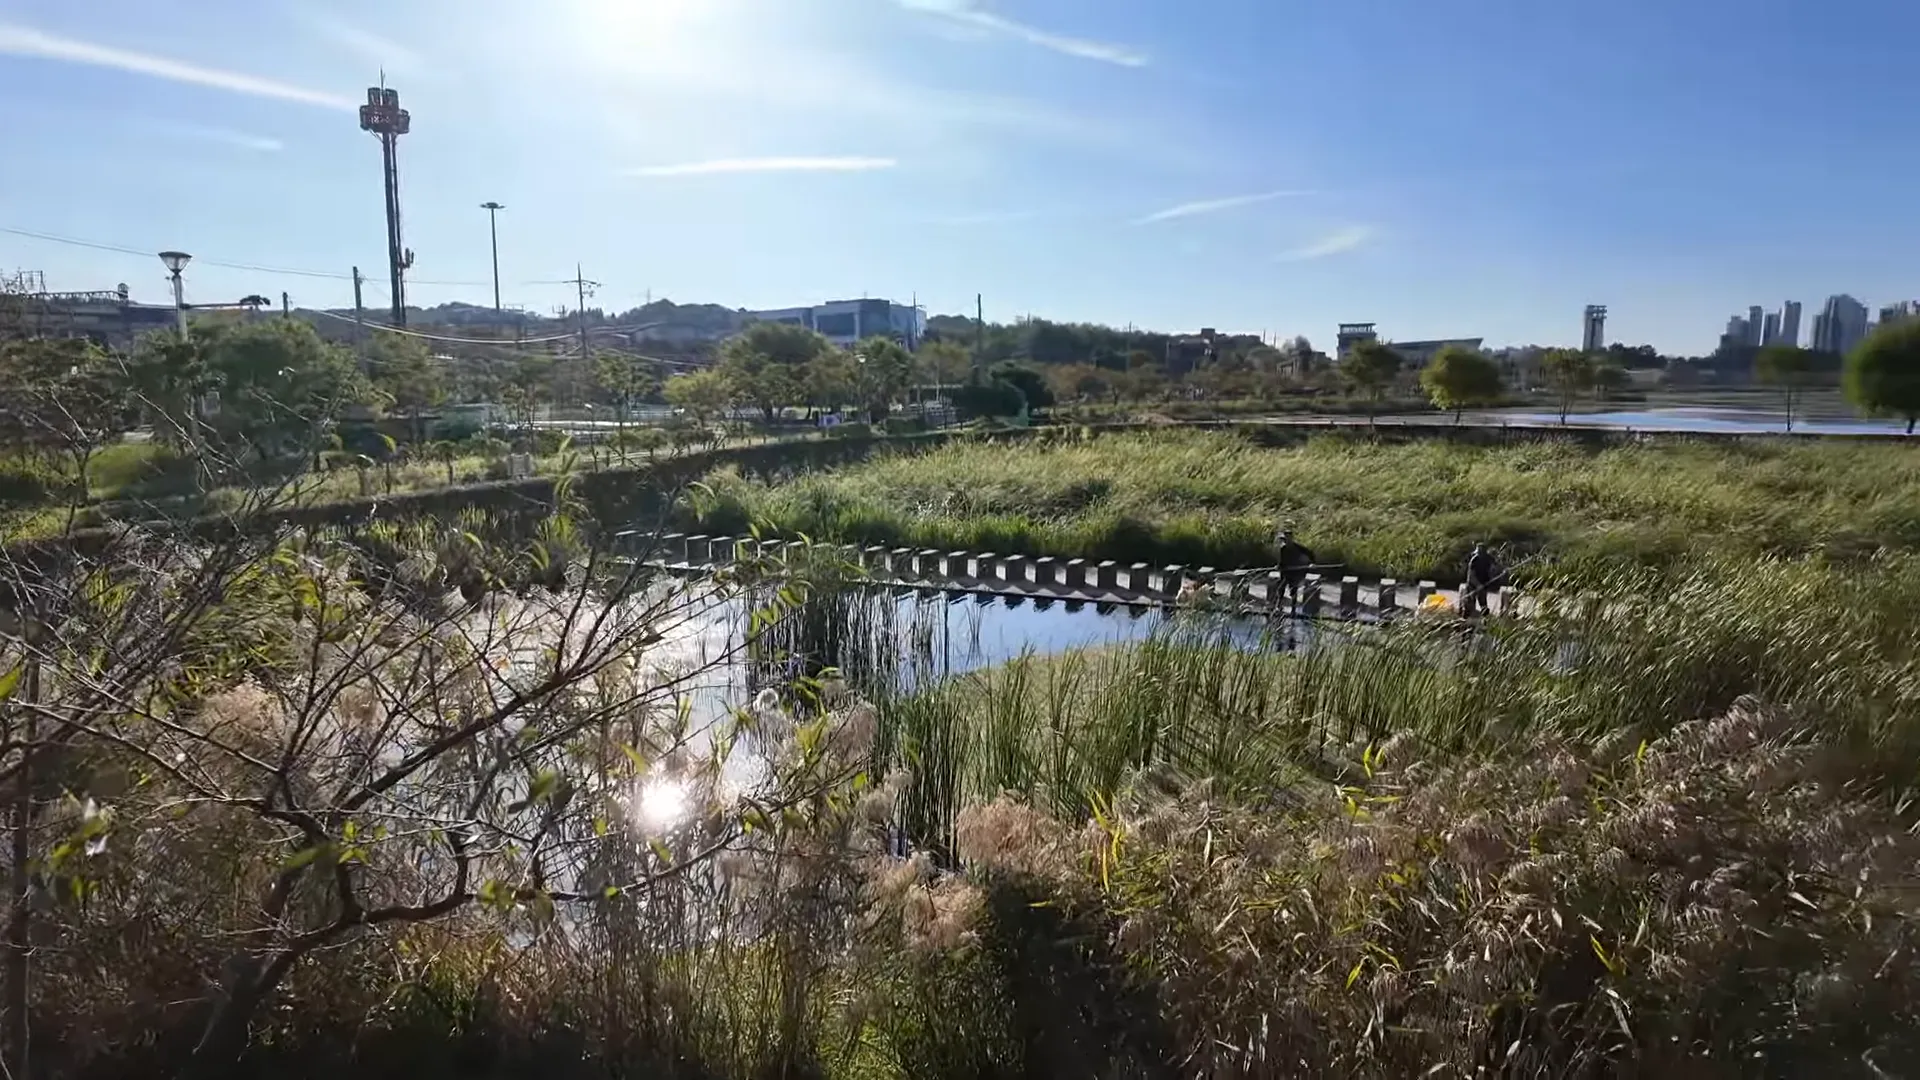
(1714, 902)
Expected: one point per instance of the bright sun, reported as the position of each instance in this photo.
(662, 803)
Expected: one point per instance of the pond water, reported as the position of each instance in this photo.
(898, 640)
(1703, 419)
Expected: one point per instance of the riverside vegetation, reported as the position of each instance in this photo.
(405, 801)
(1406, 508)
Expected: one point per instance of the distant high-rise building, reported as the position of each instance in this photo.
(1754, 325)
(1770, 330)
(1840, 326)
(1790, 324)
(1893, 313)
(1736, 335)
(1593, 336)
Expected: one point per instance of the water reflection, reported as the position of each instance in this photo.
(901, 640)
(662, 803)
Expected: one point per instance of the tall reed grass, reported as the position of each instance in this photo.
(1628, 652)
(1399, 509)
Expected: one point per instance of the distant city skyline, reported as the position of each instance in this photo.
(1842, 323)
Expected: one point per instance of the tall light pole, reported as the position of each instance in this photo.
(176, 262)
(493, 229)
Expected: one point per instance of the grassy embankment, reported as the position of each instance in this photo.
(1406, 509)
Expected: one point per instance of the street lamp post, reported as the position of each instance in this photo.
(176, 262)
(493, 230)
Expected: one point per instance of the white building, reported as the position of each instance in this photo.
(845, 322)
(1413, 354)
(1790, 324)
(1841, 326)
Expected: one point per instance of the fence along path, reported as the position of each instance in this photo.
(1065, 579)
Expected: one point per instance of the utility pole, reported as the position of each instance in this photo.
(979, 333)
(360, 323)
(582, 287)
(286, 305)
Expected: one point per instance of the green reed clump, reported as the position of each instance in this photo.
(1407, 509)
(1629, 651)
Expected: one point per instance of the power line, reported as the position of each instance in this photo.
(250, 267)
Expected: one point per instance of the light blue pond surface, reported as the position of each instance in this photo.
(1703, 419)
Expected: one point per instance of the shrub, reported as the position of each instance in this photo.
(26, 483)
(995, 397)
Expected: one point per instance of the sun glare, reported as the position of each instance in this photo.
(643, 31)
(663, 802)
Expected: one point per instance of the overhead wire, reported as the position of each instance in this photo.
(335, 276)
(256, 268)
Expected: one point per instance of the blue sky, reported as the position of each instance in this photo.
(1442, 167)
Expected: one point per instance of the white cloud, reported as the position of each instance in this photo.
(767, 165)
(969, 14)
(387, 54)
(1214, 206)
(17, 40)
(239, 140)
(1334, 243)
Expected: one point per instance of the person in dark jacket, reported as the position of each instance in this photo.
(1293, 558)
(1482, 571)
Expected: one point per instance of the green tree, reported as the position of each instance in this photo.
(765, 366)
(1459, 379)
(1787, 367)
(408, 376)
(829, 380)
(989, 397)
(1031, 383)
(65, 399)
(626, 381)
(1570, 373)
(268, 386)
(1082, 382)
(884, 372)
(1882, 376)
(944, 363)
(1371, 369)
(702, 395)
(1609, 379)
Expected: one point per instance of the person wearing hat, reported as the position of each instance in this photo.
(1482, 571)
